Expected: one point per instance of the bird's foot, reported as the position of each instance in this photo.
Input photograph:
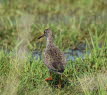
(59, 86)
(48, 79)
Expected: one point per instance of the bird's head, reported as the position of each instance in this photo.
(47, 33)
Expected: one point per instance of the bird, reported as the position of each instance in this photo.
(54, 58)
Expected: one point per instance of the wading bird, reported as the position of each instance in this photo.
(54, 58)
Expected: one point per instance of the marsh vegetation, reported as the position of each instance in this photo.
(73, 23)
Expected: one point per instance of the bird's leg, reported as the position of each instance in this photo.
(50, 78)
(59, 84)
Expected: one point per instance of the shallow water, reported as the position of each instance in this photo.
(70, 54)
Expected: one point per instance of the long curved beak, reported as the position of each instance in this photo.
(41, 36)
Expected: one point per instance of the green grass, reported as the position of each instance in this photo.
(25, 76)
(73, 23)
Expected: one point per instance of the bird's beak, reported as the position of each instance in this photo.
(41, 36)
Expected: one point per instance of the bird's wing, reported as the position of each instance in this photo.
(55, 59)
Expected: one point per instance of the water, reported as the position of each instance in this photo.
(70, 54)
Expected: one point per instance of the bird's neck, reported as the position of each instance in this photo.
(49, 41)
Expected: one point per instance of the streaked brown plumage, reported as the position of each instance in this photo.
(53, 57)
